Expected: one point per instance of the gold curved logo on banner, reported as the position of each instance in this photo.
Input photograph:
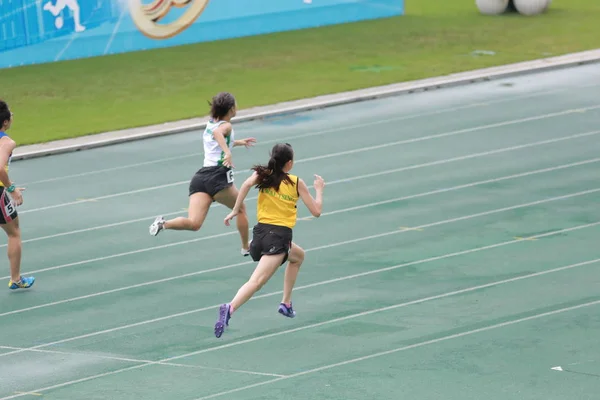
(147, 16)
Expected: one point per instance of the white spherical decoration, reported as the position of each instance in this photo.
(531, 7)
(547, 5)
(491, 7)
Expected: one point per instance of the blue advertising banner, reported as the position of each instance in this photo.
(40, 31)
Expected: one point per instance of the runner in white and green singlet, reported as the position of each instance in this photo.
(214, 181)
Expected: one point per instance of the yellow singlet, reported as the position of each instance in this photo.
(279, 207)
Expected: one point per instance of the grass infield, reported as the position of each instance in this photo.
(76, 98)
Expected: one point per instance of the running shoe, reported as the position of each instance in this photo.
(157, 226)
(246, 253)
(223, 321)
(287, 311)
(22, 283)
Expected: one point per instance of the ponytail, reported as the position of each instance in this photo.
(271, 175)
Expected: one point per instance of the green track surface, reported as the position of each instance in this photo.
(75, 98)
(498, 284)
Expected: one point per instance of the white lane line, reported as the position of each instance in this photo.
(108, 196)
(304, 135)
(403, 348)
(468, 185)
(472, 184)
(383, 309)
(308, 286)
(287, 332)
(344, 180)
(234, 232)
(136, 360)
(127, 253)
(324, 156)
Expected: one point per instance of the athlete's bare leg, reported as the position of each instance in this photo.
(227, 197)
(198, 209)
(296, 258)
(13, 231)
(264, 271)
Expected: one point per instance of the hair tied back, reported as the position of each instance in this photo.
(272, 174)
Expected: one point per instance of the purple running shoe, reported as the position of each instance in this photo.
(223, 321)
(287, 311)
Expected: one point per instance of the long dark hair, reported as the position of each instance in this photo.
(271, 175)
(221, 104)
(4, 113)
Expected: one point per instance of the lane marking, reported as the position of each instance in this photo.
(401, 230)
(525, 238)
(382, 309)
(406, 228)
(396, 306)
(330, 155)
(103, 258)
(353, 178)
(404, 348)
(561, 369)
(300, 136)
(139, 361)
(308, 286)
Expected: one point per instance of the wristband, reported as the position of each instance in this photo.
(10, 189)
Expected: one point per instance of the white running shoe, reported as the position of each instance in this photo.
(246, 253)
(157, 226)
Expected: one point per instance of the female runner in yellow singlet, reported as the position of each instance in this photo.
(272, 245)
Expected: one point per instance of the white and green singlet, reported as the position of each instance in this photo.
(213, 154)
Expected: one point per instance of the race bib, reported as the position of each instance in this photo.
(9, 207)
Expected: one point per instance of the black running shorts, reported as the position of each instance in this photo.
(268, 240)
(8, 210)
(211, 180)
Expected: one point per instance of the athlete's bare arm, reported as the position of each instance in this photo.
(244, 189)
(248, 142)
(315, 206)
(7, 146)
(220, 134)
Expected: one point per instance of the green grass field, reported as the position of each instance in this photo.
(76, 98)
